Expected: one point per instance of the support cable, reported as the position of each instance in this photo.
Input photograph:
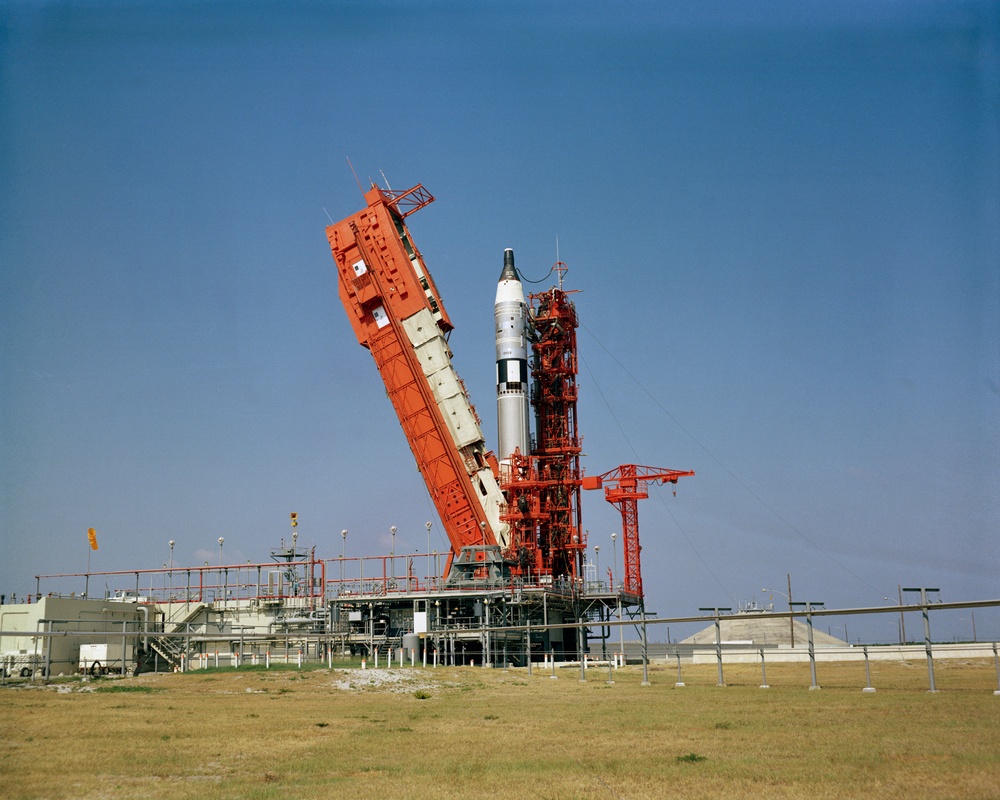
(726, 469)
(687, 538)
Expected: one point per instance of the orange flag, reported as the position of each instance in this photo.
(92, 537)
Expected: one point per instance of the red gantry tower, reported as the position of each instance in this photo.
(543, 487)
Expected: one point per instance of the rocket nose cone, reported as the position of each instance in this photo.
(509, 271)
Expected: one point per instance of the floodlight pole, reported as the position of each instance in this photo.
(343, 551)
(427, 571)
(614, 556)
(902, 623)
(392, 553)
(788, 597)
(716, 612)
(621, 630)
(927, 631)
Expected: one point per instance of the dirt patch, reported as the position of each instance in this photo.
(384, 680)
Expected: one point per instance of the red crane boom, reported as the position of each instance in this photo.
(624, 486)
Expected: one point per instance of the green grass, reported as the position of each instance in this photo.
(478, 733)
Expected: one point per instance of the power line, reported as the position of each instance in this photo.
(628, 441)
(726, 469)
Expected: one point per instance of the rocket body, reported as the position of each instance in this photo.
(510, 312)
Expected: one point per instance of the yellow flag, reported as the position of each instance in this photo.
(92, 536)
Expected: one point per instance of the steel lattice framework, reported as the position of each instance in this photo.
(624, 486)
(543, 487)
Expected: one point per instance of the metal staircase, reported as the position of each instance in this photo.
(170, 648)
(386, 643)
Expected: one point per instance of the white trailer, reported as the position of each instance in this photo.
(102, 659)
(20, 663)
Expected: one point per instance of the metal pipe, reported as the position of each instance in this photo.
(868, 673)
(812, 653)
(925, 612)
(902, 619)
(791, 620)
(717, 616)
(927, 641)
(48, 654)
(145, 613)
(718, 647)
(527, 645)
(812, 650)
(34, 652)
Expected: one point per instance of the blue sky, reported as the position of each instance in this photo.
(782, 219)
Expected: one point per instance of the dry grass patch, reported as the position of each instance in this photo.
(470, 733)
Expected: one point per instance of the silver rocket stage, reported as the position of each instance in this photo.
(511, 315)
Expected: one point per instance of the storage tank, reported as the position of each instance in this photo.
(411, 646)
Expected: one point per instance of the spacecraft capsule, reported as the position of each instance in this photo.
(510, 313)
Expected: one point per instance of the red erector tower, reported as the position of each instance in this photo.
(397, 313)
(543, 487)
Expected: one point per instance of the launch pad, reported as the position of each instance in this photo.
(523, 500)
(515, 582)
(300, 606)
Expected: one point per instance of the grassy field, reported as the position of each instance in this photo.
(490, 733)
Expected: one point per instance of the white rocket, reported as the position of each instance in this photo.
(511, 315)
